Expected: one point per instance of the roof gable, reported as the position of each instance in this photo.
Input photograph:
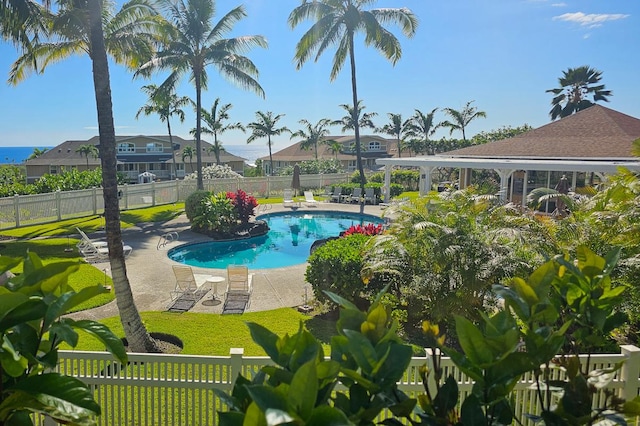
(596, 132)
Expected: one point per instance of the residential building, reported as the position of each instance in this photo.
(135, 156)
(373, 147)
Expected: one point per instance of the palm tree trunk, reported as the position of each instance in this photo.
(356, 125)
(270, 156)
(135, 331)
(173, 156)
(198, 81)
(217, 148)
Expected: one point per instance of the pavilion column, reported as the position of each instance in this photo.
(465, 178)
(504, 174)
(387, 183)
(425, 179)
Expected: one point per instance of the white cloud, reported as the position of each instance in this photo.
(559, 5)
(591, 20)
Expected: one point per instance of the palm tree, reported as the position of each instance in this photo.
(334, 146)
(461, 119)
(194, 42)
(396, 128)
(188, 152)
(337, 22)
(364, 119)
(88, 150)
(37, 152)
(314, 134)
(166, 105)
(576, 84)
(265, 127)
(91, 27)
(215, 120)
(420, 127)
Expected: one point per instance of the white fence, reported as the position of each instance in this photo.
(158, 389)
(22, 210)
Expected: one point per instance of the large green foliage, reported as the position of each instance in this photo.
(193, 201)
(301, 387)
(215, 214)
(32, 326)
(314, 167)
(66, 180)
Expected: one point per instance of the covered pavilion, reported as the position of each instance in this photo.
(595, 140)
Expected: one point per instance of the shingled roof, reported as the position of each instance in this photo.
(594, 133)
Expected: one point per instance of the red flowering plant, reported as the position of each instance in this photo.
(243, 203)
(369, 230)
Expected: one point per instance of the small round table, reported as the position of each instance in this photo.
(213, 282)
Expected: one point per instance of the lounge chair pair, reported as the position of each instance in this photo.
(96, 249)
(188, 284)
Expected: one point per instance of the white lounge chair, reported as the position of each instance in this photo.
(288, 200)
(370, 196)
(239, 287)
(189, 284)
(309, 200)
(97, 250)
(355, 195)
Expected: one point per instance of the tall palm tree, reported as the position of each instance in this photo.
(313, 134)
(193, 42)
(337, 22)
(363, 119)
(576, 84)
(420, 127)
(215, 122)
(461, 119)
(90, 27)
(396, 128)
(166, 105)
(265, 127)
(88, 150)
(187, 152)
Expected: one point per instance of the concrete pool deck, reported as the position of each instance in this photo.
(151, 276)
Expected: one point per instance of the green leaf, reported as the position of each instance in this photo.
(61, 397)
(471, 412)
(7, 263)
(29, 310)
(63, 331)
(52, 276)
(112, 343)
(447, 397)
(12, 362)
(70, 300)
(525, 291)
(9, 300)
(231, 418)
(472, 342)
(304, 389)
(327, 416)
(266, 339)
(362, 351)
(267, 397)
(375, 325)
(341, 301)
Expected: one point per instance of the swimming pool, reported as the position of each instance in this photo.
(287, 243)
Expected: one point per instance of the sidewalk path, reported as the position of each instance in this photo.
(151, 276)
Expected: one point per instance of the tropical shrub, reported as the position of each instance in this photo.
(244, 205)
(32, 327)
(217, 171)
(215, 214)
(301, 387)
(369, 230)
(314, 167)
(193, 201)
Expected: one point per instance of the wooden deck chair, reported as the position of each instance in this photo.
(238, 285)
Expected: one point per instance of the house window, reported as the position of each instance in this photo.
(126, 147)
(374, 146)
(154, 147)
(53, 170)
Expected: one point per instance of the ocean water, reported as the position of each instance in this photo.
(16, 154)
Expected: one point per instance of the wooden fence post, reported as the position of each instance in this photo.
(16, 206)
(630, 371)
(235, 364)
(58, 204)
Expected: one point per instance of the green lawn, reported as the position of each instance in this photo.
(211, 334)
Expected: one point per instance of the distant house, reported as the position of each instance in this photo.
(135, 156)
(596, 140)
(373, 148)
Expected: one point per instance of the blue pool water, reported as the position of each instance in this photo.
(287, 243)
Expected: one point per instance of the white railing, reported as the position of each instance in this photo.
(156, 389)
(21, 210)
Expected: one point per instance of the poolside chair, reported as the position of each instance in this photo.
(288, 200)
(238, 295)
(337, 194)
(188, 284)
(97, 250)
(370, 196)
(355, 196)
(309, 200)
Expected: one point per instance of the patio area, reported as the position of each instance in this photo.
(151, 276)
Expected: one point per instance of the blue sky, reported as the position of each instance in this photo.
(503, 54)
